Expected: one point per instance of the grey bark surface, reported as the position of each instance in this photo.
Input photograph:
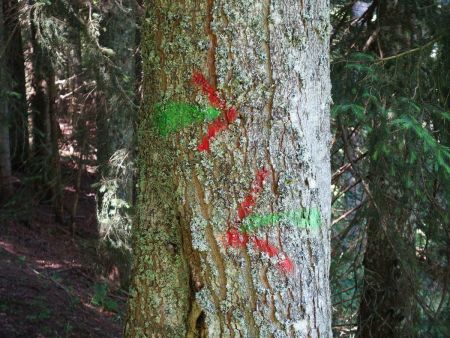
(270, 60)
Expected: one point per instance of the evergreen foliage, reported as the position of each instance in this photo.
(391, 121)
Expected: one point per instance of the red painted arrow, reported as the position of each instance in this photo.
(228, 116)
(236, 239)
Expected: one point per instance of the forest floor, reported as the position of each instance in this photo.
(50, 285)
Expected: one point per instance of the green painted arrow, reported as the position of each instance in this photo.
(172, 116)
(305, 218)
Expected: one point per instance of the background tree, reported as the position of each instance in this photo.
(195, 272)
(116, 123)
(17, 101)
(5, 155)
(392, 163)
(46, 132)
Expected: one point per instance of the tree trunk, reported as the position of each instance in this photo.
(5, 157)
(196, 271)
(39, 98)
(44, 119)
(117, 115)
(17, 102)
(55, 165)
(387, 302)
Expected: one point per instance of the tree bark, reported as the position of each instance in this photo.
(5, 156)
(194, 272)
(39, 99)
(387, 307)
(17, 102)
(44, 119)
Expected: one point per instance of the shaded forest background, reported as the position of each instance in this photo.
(70, 93)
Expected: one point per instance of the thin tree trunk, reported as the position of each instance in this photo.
(39, 99)
(55, 164)
(387, 303)
(5, 158)
(195, 272)
(44, 119)
(17, 102)
(83, 132)
(77, 106)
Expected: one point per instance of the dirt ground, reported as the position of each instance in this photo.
(49, 280)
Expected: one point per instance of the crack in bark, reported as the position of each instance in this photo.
(213, 40)
(210, 237)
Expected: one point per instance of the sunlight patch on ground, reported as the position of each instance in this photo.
(8, 247)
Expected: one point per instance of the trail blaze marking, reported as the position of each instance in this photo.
(238, 239)
(246, 207)
(302, 218)
(172, 116)
(228, 116)
(233, 236)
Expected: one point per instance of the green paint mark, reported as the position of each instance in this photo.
(306, 218)
(172, 116)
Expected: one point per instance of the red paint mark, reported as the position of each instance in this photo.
(246, 207)
(208, 90)
(215, 127)
(235, 239)
(286, 265)
(231, 114)
(228, 116)
(264, 246)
